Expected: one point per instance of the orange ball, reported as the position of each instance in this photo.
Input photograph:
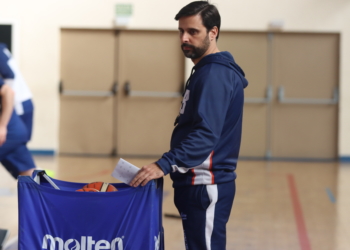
(87, 190)
(101, 186)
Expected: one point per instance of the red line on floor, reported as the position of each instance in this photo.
(298, 213)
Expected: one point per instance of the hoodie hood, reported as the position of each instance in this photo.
(223, 58)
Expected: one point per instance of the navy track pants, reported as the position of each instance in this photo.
(205, 210)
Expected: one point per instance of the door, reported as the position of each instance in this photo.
(305, 111)
(87, 103)
(151, 72)
(250, 51)
(291, 102)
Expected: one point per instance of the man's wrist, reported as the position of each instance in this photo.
(164, 166)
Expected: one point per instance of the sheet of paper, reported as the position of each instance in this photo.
(125, 171)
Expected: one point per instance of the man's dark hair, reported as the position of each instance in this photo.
(208, 12)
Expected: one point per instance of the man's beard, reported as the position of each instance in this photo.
(196, 52)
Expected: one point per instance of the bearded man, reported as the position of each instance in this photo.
(206, 139)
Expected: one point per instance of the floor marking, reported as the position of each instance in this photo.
(165, 194)
(6, 192)
(11, 244)
(298, 213)
(330, 195)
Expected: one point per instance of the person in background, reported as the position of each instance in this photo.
(15, 131)
(206, 139)
(23, 97)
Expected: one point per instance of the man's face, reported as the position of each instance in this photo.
(193, 36)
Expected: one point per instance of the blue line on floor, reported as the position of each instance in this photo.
(330, 195)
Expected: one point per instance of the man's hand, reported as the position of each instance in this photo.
(147, 173)
(3, 133)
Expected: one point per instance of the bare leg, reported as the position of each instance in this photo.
(27, 172)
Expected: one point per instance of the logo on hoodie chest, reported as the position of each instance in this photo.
(184, 100)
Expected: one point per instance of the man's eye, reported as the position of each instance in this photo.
(192, 32)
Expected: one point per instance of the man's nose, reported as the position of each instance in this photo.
(184, 38)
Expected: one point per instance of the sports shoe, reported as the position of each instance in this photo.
(4, 233)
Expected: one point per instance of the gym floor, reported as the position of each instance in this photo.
(278, 205)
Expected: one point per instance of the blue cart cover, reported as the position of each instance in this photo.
(64, 219)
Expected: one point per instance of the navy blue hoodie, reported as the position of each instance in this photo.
(206, 140)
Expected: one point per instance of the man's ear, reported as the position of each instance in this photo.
(213, 33)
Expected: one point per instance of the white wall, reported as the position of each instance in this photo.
(38, 24)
